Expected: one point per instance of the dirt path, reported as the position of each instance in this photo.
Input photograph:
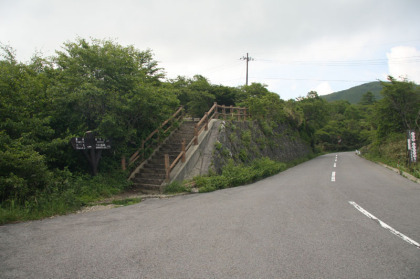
(123, 199)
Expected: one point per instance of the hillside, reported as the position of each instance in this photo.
(354, 94)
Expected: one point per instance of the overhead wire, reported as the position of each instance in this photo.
(366, 62)
(327, 63)
(311, 79)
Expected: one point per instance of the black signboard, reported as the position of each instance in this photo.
(78, 143)
(102, 143)
(87, 143)
(92, 148)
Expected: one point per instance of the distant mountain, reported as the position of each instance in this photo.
(354, 94)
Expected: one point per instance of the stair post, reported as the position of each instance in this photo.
(224, 111)
(183, 151)
(195, 135)
(142, 148)
(123, 163)
(206, 127)
(167, 167)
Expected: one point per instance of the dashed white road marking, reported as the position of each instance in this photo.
(385, 226)
(335, 165)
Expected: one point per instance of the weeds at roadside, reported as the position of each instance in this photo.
(176, 187)
(392, 152)
(235, 175)
(64, 198)
(126, 202)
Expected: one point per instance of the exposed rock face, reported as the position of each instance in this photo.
(241, 141)
(247, 141)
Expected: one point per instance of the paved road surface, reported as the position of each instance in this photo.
(297, 224)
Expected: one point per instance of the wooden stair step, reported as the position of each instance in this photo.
(150, 178)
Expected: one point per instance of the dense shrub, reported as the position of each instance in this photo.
(236, 175)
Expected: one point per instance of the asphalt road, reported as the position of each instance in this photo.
(297, 224)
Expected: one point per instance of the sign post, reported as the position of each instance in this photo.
(411, 146)
(92, 148)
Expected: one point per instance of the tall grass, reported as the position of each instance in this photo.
(392, 152)
(235, 175)
(175, 187)
(64, 197)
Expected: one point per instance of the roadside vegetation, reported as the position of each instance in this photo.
(63, 196)
(396, 113)
(234, 175)
(120, 93)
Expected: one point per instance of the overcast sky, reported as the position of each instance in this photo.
(296, 45)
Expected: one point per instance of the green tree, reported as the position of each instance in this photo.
(225, 95)
(294, 113)
(196, 94)
(267, 107)
(367, 99)
(254, 90)
(399, 110)
(332, 126)
(201, 97)
(101, 86)
(113, 90)
(315, 110)
(27, 142)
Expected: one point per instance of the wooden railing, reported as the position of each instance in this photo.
(154, 139)
(181, 156)
(203, 125)
(219, 111)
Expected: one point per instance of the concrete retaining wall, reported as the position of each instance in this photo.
(198, 157)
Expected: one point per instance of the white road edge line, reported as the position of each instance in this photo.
(385, 226)
(333, 176)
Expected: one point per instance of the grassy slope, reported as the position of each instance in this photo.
(393, 153)
(354, 94)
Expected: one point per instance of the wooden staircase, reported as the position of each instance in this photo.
(150, 177)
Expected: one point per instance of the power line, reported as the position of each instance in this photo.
(373, 62)
(312, 79)
(299, 79)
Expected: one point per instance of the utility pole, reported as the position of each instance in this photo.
(247, 58)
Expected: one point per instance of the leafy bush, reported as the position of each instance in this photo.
(235, 175)
(392, 152)
(175, 187)
(65, 194)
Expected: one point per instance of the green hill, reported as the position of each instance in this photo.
(354, 94)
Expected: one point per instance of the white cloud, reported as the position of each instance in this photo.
(296, 44)
(323, 88)
(403, 61)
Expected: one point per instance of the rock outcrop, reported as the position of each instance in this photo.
(246, 141)
(243, 142)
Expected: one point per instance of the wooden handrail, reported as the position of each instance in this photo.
(212, 113)
(146, 142)
(181, 156)
(240, 112)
